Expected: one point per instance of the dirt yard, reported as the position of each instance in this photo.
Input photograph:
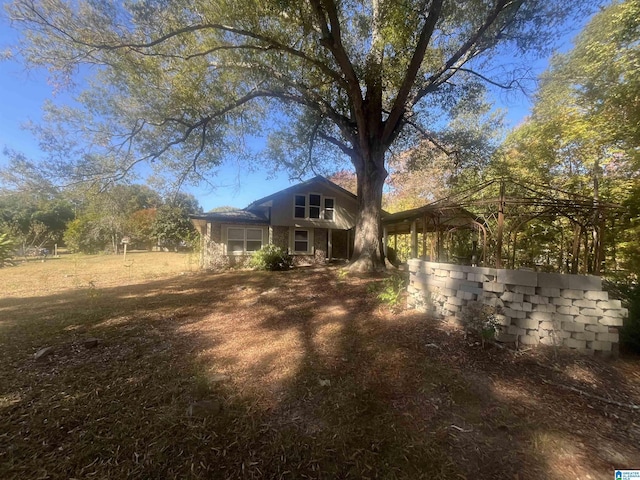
(299, 374)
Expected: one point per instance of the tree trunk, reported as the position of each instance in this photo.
(575, 260)
(368, 254)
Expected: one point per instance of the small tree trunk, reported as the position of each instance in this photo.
(577, 231)
(368, 252)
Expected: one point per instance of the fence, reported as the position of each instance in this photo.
(530, 308)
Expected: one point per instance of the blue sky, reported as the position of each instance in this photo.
(23, 92)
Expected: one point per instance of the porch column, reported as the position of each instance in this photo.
(330, 244)
(424, 237)
(414, 240)
(385, 240)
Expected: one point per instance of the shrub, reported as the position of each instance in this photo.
(6, 249)
(392, 289)
(271, 258)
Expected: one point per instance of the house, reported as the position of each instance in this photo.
(313, 220)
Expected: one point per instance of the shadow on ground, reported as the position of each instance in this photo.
(296, 374)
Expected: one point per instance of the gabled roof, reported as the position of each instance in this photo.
(253, 214)
(242, 216)
(311, 181)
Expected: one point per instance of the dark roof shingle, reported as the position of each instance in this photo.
(239, 216)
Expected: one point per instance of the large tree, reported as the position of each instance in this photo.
(183, 83)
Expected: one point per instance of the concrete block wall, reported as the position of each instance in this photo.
(531, 308)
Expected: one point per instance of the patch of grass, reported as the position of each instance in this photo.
(29, 279)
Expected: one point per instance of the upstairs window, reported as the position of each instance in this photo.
(300, 207)
(329, 209)
(314, 206)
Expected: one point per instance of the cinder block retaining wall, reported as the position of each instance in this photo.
(531, 308)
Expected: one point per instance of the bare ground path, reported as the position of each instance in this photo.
(298, 374)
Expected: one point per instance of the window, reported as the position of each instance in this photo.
(235, 241)
(254, 240)
(301, 241)
(314, 205)
(243, 240)
(329, 209)
(300, 208)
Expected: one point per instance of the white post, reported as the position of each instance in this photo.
(330, 244)
(414, 240)
(385, 240)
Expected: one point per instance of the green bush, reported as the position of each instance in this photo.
(271, 258)
(392, 289)
(6, 249)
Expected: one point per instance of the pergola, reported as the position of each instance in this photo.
(486, 206)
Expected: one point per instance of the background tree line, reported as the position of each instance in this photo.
(92, 220)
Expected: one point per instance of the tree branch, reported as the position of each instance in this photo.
(138, 47)
(399, 104)
(508, 86)
(332, 40)
(465, 52)
(309, 98)
(334, 141)
(429, 136)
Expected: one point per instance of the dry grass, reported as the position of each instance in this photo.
(37, 277)
(298, 374)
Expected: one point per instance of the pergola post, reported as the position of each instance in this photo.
(438, 239)
(500, 229)
(414, 239)
(424, 237)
